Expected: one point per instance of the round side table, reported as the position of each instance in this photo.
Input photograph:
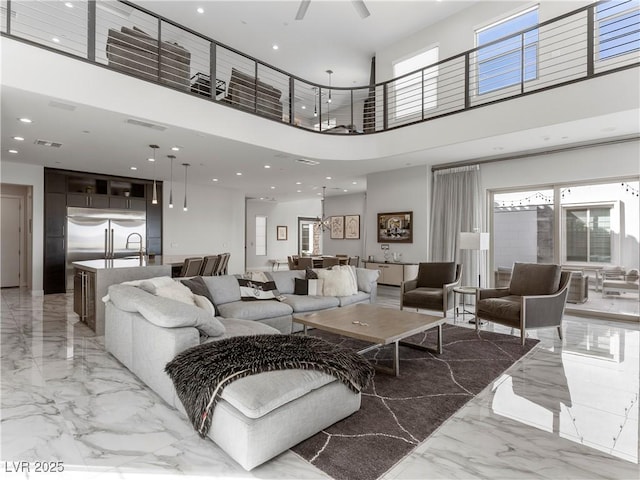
(463, 292)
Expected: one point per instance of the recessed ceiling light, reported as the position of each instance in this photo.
(175, 149)
(354, 183)
(345, 190)
(267, 166)
(19, 139)
(299, 191)
(56, 39)
(151, 159)
(25, 120)
(238, 173)
(200, 10)
(275, 47)
(68, 4)
(298, 183)
(304, 107)
(272, 187)
(215, 180)
(13, 151)
(328, 178)
(261, 198)
(134, 168)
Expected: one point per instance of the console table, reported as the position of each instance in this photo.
(393, 273)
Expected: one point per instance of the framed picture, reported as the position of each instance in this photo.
(395, 227)
(337, 227)
(281, 232)
(352, 226)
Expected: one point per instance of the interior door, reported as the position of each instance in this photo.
(10, 244)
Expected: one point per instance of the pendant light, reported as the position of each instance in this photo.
(154, 198)
(330, 72)
(186, 166)
(322, 222)
(172, 158)
(315, 101)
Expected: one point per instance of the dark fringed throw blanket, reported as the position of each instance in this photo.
(201, 373)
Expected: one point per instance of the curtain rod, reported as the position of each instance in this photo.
(464, 163)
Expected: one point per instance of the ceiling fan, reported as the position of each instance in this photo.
(359, 5)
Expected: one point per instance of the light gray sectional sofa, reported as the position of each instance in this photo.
(258, 416)
(225, 294)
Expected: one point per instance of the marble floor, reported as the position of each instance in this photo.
(567, 410)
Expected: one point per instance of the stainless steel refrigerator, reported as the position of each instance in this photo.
(94, 234)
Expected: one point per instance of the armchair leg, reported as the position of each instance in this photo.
(560, 331)
(523, 335)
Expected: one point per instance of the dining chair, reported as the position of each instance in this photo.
(209, 265)
(330, 262)
(225, 263)
(354, 261)
(304, 263)
(220, 265)
(191, 267)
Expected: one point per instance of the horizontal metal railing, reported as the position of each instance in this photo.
(134, 41)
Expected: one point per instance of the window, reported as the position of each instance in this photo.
(261, 235)
(618, 24)
(588, 234)
(501, 64)
(408, 90)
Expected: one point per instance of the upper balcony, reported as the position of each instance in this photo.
(128, 39)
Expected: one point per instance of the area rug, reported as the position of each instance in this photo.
(398, 413)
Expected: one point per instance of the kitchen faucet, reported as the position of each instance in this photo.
(139, 242)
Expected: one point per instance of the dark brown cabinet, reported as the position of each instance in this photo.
(64, 188)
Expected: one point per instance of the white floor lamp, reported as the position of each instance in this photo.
(475, 241)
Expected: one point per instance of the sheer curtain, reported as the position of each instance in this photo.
(456, 207)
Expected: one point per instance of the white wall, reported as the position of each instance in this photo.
(354, 204)
(283, 213)
(456, 34)
(30, 175)
(213, 224)
(407, 189)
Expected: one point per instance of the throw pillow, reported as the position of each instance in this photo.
(308, 286)
(338, 282)
(198, 287)
(251, 290)
(171, 289)
(204, 303)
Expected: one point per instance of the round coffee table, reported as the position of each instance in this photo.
(463, 292)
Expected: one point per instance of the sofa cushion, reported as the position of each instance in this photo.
(165, 312)
(258, 310)
(365, 277)
(424, 297)
(256, 395)
(310, 303)
(436, 274)
(235, 327)
(503, 308)
(285, 280)
(223, 289)
(351, 299)
(534, 279)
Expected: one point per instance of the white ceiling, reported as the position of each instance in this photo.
(100, 141)
(331, 36)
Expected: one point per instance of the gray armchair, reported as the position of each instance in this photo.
(535, 298)
(432, 289)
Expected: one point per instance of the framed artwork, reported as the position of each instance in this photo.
(337, 227)
(281, 232)
(352, 227)
(395, 227)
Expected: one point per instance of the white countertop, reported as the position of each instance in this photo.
(102, 264)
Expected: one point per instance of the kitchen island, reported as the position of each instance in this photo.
(92, 278)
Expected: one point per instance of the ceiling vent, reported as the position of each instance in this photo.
(306, 161)
(62, 106)
(48, 143)
(140, 123)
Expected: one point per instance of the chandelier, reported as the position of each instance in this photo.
(322, 222)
